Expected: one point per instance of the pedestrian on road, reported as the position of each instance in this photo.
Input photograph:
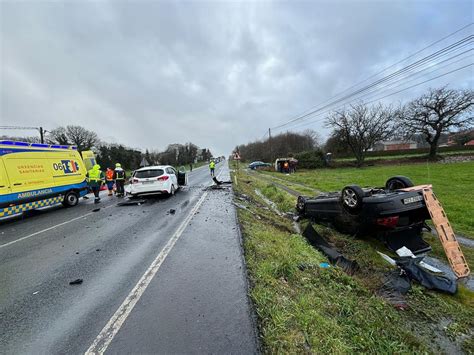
(190, 166)
(212, 167)
(119, 176)
(109, 178)
(95, 178)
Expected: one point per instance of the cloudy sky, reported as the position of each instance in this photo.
(150, 73)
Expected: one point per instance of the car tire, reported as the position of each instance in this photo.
(398, 182)
(301, 204)
(172, 190)
(351, 198)
(71, 199)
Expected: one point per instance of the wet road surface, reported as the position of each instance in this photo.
(154, 282)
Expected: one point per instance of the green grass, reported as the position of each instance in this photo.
(408, 155)
(453, 184)
(303, 308)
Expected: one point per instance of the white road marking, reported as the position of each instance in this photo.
(107, 334)
(50, 228)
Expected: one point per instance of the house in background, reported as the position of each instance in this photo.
(395, 145)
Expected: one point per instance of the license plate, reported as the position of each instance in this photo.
(413, 199)
(148, 182)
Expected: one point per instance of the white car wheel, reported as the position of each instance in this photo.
(172, 190)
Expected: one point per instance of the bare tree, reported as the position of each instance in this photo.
(58, 136)
(360, 127)
(436, 112)
(74, 135)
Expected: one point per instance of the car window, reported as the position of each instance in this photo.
(143, 174)
(171, 171)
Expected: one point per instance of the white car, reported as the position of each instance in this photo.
(161, 179)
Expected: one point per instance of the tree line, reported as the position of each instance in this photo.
(356, 129)
(108, 154)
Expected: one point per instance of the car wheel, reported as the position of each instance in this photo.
(172, 190)
(300, 204)
(351, 198)
(71, 199)
(398, 182)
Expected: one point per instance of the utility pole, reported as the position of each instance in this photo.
(41, 134)
(270, 143)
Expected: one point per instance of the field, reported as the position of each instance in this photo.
(453, 184)
(305, 308)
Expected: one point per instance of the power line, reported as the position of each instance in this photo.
(417, 63)
(438, 53)
(390, 86)
(396, 92)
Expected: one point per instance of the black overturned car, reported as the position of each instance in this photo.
(394, 215)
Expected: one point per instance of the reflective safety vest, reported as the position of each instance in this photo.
(94, 174)
(109, 175)
(119, 174)
(212, 165)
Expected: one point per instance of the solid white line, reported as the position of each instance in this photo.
(48, 229)
(107, 334)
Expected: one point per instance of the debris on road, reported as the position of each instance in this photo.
(76, 282)
(171, 211)
(96, 209)
(131, 202)
(221, 182)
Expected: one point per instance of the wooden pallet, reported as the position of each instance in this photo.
(445, 233)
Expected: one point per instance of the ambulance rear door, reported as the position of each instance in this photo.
(88, 158)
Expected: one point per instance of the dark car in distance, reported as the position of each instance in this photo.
(396, 216)
(258, 164)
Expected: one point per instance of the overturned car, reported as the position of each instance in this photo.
(394, 215)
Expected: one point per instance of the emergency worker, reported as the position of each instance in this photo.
(109, 179)
(212, 167)
(95, 178)
(119, 176)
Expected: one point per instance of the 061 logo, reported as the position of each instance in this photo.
(68, 166)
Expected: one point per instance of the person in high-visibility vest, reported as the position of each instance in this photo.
(109, 180)
(119, 176)
(95, 178)
(212, 166)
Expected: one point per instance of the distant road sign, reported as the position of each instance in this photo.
(236, 156)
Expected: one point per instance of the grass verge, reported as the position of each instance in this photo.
(303, 308)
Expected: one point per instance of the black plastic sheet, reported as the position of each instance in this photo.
(336, 258)
(431, 281)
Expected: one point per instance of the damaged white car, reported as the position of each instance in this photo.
(151, 180)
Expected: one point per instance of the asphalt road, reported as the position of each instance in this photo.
(153, 282)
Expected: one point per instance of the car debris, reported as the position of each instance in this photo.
(431, 281)
(396, 285)
(336, 258)
(131, 202)
(76, 282)
(404, 251)
(171, 211)
(221, 182)
(427, 275)
(96, 209)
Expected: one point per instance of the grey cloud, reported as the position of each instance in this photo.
(152, 73)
